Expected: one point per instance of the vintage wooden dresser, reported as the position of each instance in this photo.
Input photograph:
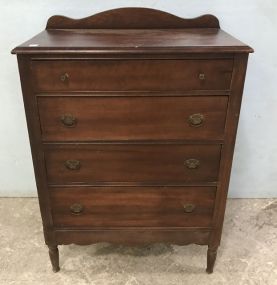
(132, 116)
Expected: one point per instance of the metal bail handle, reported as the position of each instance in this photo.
(73, 164)
(76, 209)
(189, 208)
(196, 120)
(68, 120)
(192, 163)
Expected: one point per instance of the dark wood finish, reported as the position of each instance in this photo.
(135, 118)
(211, 257)
(240, 66)
(132, 206)
(37, 152)
(131, 163)
(125, 30)
(144, 42)
(144, 75)
(132, 117)
(132, 18)
(54, 257)
(134, 236)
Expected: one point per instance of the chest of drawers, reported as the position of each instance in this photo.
(132, 116)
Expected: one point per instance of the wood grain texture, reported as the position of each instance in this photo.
(131, 84)
(143, 75)
(232, 120)
(133, 206)
(54, 257)
(133, 236)
(211, 258)
(135, 118)
(32, 117)
(143, 42)
(132, 18)
(131, 163)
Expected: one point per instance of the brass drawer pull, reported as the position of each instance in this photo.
(64, 77)
(76, 209)
(72, 164)
(192, 163)
(68, 120)
(202, 76)
(189, 208)
(196, 120)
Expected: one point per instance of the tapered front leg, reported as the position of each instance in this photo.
(54, 257)
(211, 257)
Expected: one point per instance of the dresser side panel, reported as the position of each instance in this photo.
(33, 123)
(234, 105)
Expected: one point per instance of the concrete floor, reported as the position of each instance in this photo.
(248, 253)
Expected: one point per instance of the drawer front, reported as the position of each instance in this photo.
(85, 164)
(132, 118)
(132, 75)
(85, 207)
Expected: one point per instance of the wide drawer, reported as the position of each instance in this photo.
(85, 164)
(132, 75)
(132, 118)
(84, 207)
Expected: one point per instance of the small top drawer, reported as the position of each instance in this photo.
(132, 75)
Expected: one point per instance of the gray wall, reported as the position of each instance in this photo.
(252, 21)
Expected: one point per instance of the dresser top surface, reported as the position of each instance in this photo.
(132, 40)
(132, 30)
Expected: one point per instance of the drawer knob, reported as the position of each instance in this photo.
(202, 76)
(76, 209)
(192, 163)
(72, 164)
(64, 77)
(189, 208)
(196, 120)
(68, 120)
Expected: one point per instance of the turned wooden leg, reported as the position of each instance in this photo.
(211, 257)
(54, 257)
